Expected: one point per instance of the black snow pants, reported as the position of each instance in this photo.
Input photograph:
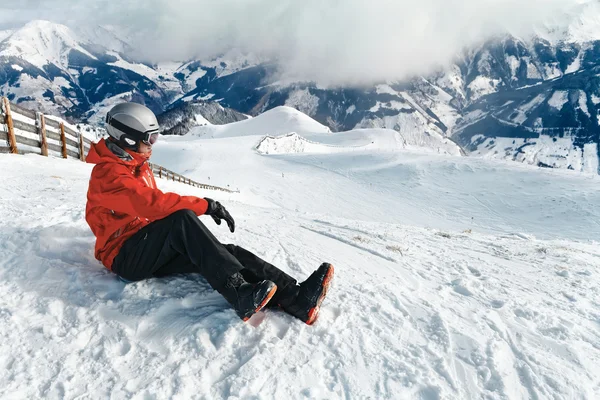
(181, 244)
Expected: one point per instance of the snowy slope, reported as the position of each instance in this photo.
(4, 34)
(457, 278)
(279, 120)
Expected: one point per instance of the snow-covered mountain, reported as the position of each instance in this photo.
(81, 74)
(45, 66)
(507, 90)
(531, 99)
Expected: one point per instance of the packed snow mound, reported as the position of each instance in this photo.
(41, 43)
(294, 143)
(362, 139)
(277, 121)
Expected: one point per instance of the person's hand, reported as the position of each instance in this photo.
(218, 212)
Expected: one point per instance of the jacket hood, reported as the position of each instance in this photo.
(109, 152)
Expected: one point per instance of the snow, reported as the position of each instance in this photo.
(303, 101)
(532, 70)
(456, 278)
(5, 34)
(98, 112)
(232, 61)
(416, 128)
(279, 120)
(558, 99)
(452, 79)
(552, 151)
(140, 69)
(42, 43)
(585, 26)
(356, 140)
(390, 105)
(351, 109)
(513, 63)
(108, 36)
(481, 86)
(386, 89)
(17, 67)
(192, 77)
(583, 102)
(61, 82)
(29, 87)
(293, 143)
(189, 76)
(575, 65)
(552, 71)
(590, 158)
(523, 111)
(200, 120)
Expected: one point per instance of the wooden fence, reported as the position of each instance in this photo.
(162, 172)
(24, 131)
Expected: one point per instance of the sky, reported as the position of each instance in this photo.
(328, 41)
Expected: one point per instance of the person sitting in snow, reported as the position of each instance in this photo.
(142, 232)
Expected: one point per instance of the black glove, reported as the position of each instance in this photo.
(218, 212)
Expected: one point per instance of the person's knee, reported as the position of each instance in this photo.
(183, 218)
(231, 248)
(184, 214)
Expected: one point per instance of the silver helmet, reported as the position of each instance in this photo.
(132, 123)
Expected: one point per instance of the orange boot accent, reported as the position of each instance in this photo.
(313, 313)
(264, 302)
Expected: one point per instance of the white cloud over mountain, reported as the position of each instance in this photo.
(349, 41)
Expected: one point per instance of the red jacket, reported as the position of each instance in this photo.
(122, 198)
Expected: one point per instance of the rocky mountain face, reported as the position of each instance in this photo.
(180, 119)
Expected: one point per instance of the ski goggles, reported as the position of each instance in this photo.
(150, 138)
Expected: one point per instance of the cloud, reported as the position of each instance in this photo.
(331, 41)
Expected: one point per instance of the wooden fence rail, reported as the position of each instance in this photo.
(162, 172)
(23, 131)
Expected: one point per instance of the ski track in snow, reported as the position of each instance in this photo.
(413, 312)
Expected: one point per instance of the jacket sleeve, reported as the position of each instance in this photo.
(116, 189)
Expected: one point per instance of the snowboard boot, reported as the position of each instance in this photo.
(305, 305)
(248, 298)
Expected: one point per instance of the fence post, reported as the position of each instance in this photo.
(63, 140)
(12, 140)
(81, 148)
(160, 172)
(42, 132)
